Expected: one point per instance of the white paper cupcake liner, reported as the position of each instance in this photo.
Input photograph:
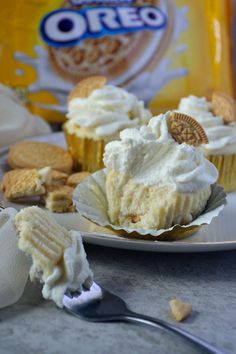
(91, 202)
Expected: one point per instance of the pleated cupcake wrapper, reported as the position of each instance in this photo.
(182, 205)
(87, 154)
(226, 165)
(91, 202)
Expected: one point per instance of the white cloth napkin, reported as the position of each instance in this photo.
(14, 265)
(16, 122)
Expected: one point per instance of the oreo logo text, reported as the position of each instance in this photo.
(67, 27)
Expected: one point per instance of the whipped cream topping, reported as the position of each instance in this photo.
(107, 111)
(74, 274)
(222, 138)
(151, 156)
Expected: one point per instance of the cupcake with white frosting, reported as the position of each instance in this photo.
(221, 148)
(152, 181)
(96, 114)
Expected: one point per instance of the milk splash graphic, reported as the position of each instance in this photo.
(142, 85)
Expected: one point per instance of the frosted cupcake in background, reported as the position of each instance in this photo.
(96, 114)
(154, 180)
(218, 118)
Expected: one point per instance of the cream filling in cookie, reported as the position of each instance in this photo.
(44, 176)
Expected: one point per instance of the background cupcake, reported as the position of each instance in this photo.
(218, 120)
(96, 114)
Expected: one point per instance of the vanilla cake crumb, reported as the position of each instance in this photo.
(179, 309)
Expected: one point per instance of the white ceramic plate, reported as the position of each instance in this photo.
(218, 236)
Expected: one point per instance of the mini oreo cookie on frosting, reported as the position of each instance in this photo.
(184, 128)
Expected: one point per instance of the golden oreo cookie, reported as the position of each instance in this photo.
(59, 199)
(185, 129)
(58, 178)
(33, 154)
(85, 87)
(22, 184)
(224, 106)
(76, 178)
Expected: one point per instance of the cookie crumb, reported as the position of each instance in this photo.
(180, 310)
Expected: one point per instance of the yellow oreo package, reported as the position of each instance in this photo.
(161, 50)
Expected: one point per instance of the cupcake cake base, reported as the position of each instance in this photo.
(136, 205)
(90, 199)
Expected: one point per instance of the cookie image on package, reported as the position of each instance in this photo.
(111, 55)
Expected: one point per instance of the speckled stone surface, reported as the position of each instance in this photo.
(147, 281)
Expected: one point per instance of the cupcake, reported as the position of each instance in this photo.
(154, 180)
(96, 114)
(218, 120)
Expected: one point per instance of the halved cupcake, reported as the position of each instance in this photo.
(96, 114)
(156, 177)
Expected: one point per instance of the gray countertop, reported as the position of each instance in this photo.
(147, 281)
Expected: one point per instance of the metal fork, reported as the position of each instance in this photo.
(99, 305)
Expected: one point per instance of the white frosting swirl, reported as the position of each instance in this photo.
(151, 156)
(72, 276)
(222, 138)
(107, 111)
